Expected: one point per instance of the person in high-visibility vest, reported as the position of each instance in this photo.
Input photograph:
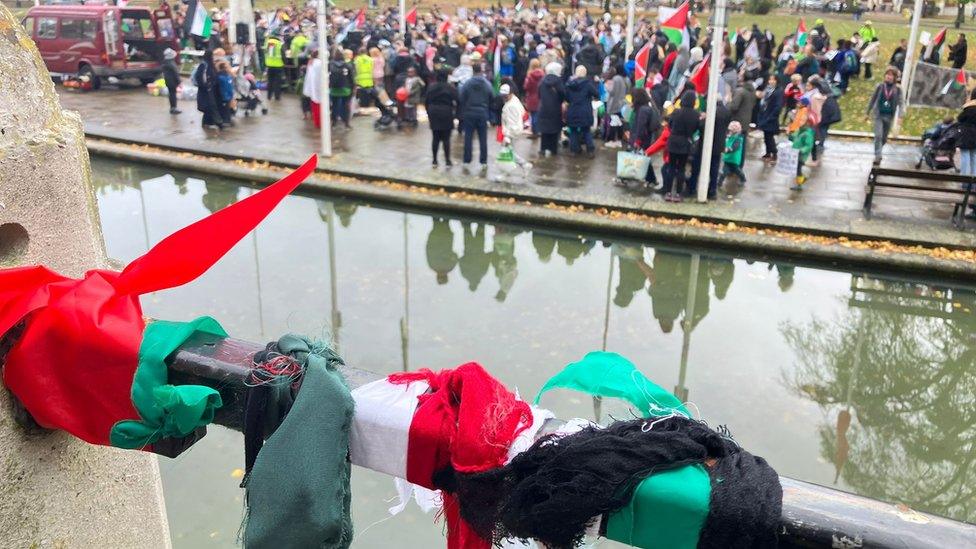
(275, 61)
(363, 78)
(297, 59)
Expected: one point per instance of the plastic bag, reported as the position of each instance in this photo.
(786, 159)
(632, 165)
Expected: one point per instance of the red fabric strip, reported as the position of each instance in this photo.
(468, 420)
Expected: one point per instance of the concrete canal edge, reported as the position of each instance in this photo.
(835, 250)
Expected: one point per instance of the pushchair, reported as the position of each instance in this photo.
(248, 96)
(939, 147)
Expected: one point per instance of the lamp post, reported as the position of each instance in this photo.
(708, 141)
(323, 39)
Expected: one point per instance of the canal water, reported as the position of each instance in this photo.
(855, 381)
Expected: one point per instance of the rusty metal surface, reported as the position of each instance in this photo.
(813, 516)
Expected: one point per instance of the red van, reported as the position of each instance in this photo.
(99, 41)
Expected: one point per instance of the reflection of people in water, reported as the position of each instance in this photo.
(440, 249)
(544, 245)
(573, 248)
(669, 288)
(344, 211)
(785, 274)
(631, 277)
(721, 270)
(503, 260)
(218, 196)
(475, 260)
(181, 186)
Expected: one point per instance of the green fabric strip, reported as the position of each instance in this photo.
(166, 410)
(605, 374)
(668, 509)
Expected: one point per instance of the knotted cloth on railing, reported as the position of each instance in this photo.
(85, 363)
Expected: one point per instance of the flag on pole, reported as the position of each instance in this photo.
(411, 17)
(518, 6)
(700, 77)
(674, 24)
(957, 83)
(733, 36)
(640, 65)
(360, 20)
(497, 65)
(801, 34)
(444, 28)
(198, 22)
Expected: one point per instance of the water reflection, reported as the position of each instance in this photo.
(888, 415)
(894, 379)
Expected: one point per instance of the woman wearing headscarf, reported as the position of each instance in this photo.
(616, 99)
(770, 105)
(580, 93)
(441, 103)
(676, 77)
(552, 94)
(683, 123)
(533, 79)
(205, 79)
(647, 122)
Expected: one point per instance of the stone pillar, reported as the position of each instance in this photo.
(56, 491)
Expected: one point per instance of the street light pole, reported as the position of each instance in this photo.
(630, 27)
(326, 115)
(909, 75)
(714, 69)
(403, 19)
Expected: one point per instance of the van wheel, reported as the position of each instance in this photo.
(86, 70)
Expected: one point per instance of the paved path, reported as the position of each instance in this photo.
(831, 201)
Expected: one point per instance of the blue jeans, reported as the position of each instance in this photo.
(340, 108)
(576, 135)
(967, 161)
(534, 120)
(473, 124)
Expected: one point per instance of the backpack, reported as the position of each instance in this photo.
(849, 63)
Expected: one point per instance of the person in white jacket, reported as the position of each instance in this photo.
(312, 90)
(869, 56)
(513, 122)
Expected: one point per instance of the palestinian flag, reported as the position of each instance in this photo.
(936, 44)
(674, 24)
(733, 36)
(956, 84)
(640, 66)
(359, 21)
(444, 28)
(801, 34)
(518, 6)
(198, 22)
(497, 65)
(88, 363)
(700, 77)
(411, 17)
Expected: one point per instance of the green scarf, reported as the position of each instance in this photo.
(298, 490)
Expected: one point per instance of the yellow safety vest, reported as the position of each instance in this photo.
(272, 53)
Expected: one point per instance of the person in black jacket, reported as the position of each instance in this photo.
(442, 100)
(647, 122)
(580, 93)
(723, 116)
(171, 74)
(770, 105)
(590, 56)
(475, 100)
(958, 52)
(205, 79)
(966, 141)
(549, 121)
(683, 123)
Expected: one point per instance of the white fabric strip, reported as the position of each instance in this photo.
(381, 425)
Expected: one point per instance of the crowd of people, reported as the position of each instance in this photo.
(566, 80)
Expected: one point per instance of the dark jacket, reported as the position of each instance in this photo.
(723, 116)
(647, 122)
(830, 111)
(475, 98)
(769, 110)
(683, 123)
(742, 104)
(204, 77)
(442, 100)
(967, 127)
(580, 93)
(591, 57)
(552, 94)
(171, 73)
(957, 54)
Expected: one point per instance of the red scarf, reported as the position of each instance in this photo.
(467, 421)
(73, 366)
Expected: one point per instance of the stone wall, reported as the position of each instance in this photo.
(56, 491)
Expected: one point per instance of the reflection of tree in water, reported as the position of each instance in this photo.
(218, 195)
(475, 261)
(912, 392)
(441, 257)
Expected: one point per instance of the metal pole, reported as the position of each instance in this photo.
(333, 283)
(714, 69)
(405, 321)
(403, 19)
(688, 324)
(909, 75)
(323, 30)
(630, 27)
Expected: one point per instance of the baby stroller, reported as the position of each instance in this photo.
(939, 147)
(248, 96)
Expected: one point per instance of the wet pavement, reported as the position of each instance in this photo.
(830, 202)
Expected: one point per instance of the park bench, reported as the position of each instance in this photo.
(945, 188)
